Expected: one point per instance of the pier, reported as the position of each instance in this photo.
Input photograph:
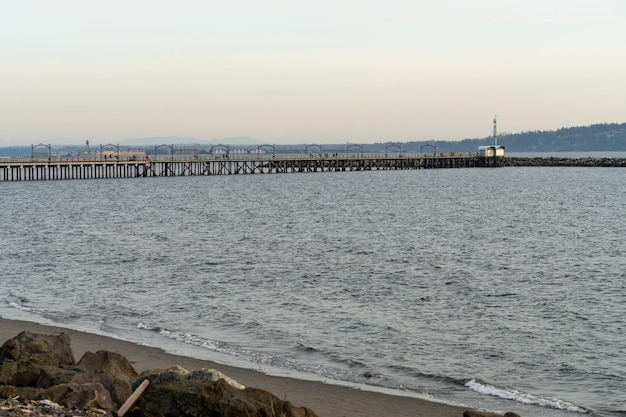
(67, 168)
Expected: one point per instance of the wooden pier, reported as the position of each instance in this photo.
(61, 168)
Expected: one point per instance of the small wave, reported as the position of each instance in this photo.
(304, 348)
(355, 364)
(182, 337)
(213, 262)
(522, 397)
(22, 307)
(253, 357)
(506, 294)
(145, 326)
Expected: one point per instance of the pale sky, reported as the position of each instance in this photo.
(298, 71)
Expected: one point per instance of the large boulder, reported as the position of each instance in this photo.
(178, 373)
(50, 376)
(47, 349)
(175, 392)
(80, 396)
(23, 357)
(110, 369)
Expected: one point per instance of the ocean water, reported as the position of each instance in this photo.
(502, 289)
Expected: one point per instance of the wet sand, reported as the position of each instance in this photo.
(326, 400)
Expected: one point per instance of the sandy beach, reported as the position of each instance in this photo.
(326, 400)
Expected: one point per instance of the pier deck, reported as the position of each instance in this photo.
(62, 168)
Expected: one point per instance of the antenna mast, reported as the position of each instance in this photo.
(495, 132)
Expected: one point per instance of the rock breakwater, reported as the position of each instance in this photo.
(564, 162)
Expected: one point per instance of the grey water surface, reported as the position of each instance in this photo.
(502, 289)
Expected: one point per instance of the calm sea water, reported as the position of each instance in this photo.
(502, 289)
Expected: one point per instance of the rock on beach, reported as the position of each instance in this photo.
(40, 377)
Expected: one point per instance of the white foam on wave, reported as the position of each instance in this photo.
(255, 358)
(21, 307)
(181, 337)
(522, 397)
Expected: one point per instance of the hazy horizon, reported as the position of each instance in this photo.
(307, 72)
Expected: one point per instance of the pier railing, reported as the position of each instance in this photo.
(237, 156)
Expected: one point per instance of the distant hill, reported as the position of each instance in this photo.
(159, 140)
(605, 137)
(177, 140)
(237, 141)
(599, 137)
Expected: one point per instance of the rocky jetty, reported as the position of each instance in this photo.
(564, 162)
(40, 377)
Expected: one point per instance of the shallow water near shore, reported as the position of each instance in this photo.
(501, 289)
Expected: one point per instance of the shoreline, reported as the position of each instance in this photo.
(326, 400)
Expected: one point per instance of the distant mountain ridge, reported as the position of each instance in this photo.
(607, 137)
(597, 137)
(177, 140)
